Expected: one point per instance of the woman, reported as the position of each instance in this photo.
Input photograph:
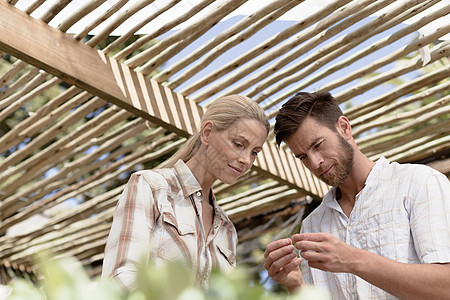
(171, 214)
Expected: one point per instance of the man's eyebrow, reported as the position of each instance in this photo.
(315, 142)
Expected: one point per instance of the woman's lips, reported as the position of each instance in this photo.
(236, 170)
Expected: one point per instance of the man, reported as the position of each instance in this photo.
(383, 229)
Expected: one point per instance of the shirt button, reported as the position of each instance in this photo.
(199, 194)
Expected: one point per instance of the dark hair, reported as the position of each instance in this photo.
(319, 105)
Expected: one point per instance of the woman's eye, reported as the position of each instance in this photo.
(238, 145)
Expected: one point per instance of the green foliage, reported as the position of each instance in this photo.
(65, 278)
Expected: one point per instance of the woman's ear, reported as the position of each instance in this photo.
(344, 127)
(206, 132)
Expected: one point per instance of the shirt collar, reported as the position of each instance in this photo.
(330, 198)
(190, 186)
(189, 183)
(375, 172)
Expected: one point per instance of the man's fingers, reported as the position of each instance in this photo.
(279, 253)
(312, 256)
(276, 245)
(279, 264)
(293, 265)
(313, 237)
(307, 245)
(279, 257)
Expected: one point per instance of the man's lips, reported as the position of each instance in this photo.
(327, 171)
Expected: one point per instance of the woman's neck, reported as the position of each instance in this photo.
(202, 174)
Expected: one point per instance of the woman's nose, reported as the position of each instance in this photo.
(246, 158)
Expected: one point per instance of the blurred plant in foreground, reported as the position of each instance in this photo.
(65, 279)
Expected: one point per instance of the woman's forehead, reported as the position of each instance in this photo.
(248, 128)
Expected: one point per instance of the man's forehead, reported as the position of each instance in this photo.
(304, 135)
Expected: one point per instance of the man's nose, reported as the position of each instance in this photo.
(315, 160)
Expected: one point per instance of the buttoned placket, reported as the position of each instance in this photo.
(350, 278)
(350, 240)
(205, 255)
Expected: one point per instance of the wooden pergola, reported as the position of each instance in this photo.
(114, 104)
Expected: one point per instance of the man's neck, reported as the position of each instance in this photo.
(354, 183)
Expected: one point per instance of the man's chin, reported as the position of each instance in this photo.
(329, 181)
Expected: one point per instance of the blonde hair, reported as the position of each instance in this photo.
(223, 112)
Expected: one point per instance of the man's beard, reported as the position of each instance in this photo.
(342, 167)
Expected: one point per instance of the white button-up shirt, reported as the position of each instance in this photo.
(402, 213)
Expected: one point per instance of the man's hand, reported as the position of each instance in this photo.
(325, 252)
(282, 264)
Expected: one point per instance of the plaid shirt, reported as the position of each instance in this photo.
(402, 213)
(155, 217)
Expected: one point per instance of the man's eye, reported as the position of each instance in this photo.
(318, 145)
(302, 157)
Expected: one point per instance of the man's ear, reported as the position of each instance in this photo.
(206, 132)
(344, 127)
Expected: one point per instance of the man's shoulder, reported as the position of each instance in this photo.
(408, 170)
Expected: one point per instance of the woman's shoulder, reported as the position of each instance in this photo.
(156, 177)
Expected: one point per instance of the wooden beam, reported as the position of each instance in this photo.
(59, 54)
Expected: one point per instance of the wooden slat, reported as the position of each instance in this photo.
(79, 14)
(402, 116)
(345, 62)
(53, 10)
(158, 31)
(36, 43)
(227, 39)
(82, 34)
(172, 45)
(378, 147)
(426, 80)
(349, 93)
(258, 207)
(315, 35)
(14, 89)
(18, 99)
(118, 20)
(385, 109)
(123, 38)
(337, 48)
(258, 50)
(15, 68)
